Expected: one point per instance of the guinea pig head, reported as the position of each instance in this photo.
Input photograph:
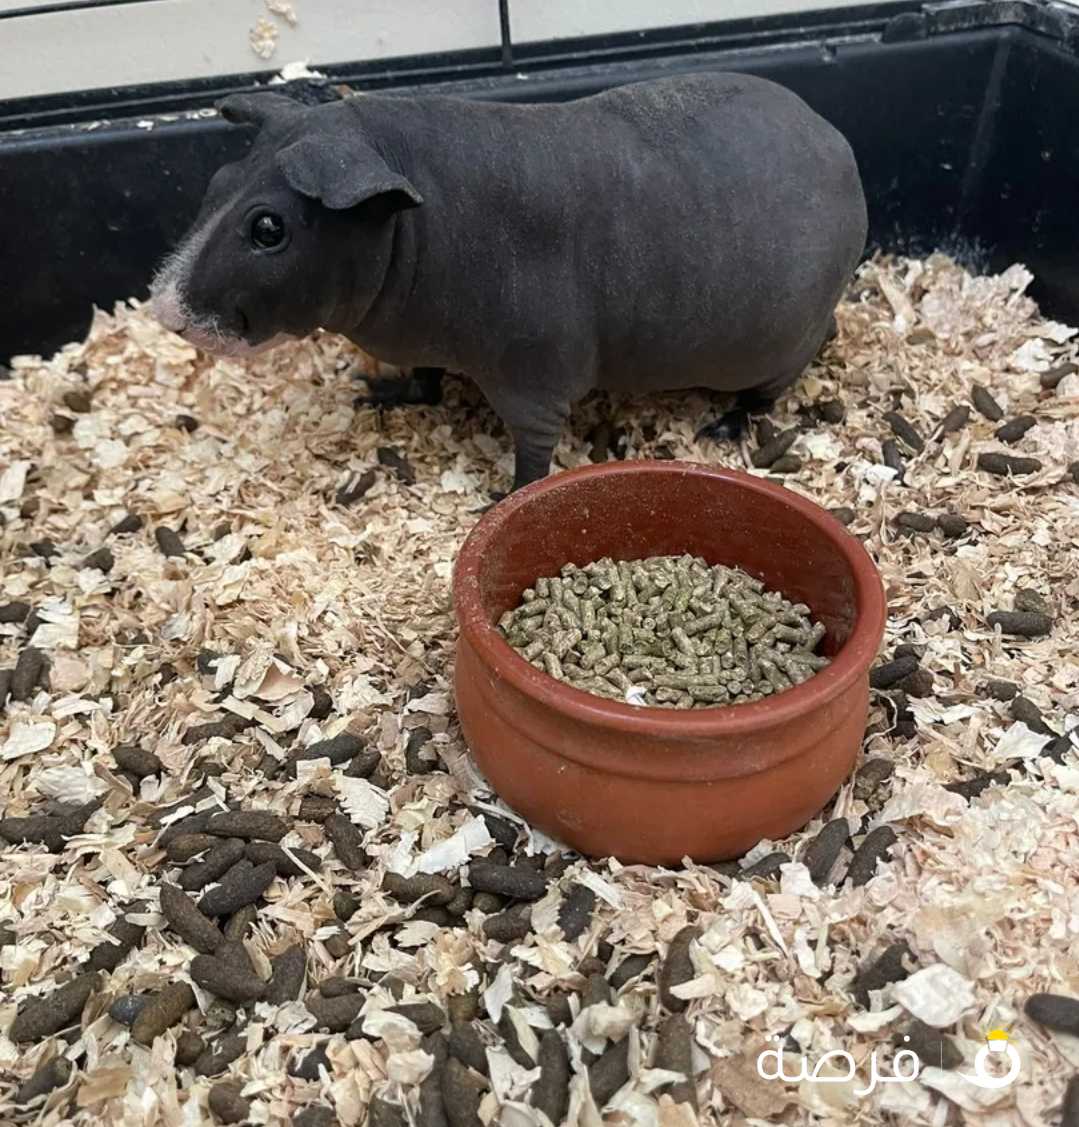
(295, 236)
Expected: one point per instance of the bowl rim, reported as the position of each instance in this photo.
(851, 663)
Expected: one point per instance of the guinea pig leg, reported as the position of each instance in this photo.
(732, 424)
(421, 387)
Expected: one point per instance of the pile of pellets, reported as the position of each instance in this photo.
(666, 632)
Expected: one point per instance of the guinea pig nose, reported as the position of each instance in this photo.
(166, 307)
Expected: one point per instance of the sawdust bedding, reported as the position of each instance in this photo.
(312, 564)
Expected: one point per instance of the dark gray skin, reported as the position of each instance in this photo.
(692, 232)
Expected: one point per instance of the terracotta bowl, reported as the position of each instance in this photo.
(647, 784)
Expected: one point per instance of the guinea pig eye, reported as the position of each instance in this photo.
(267, 231)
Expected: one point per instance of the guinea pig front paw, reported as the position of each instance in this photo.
(727, 428)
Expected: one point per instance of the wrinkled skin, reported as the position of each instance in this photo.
(690, 232)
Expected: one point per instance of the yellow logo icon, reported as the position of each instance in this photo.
(998, 1041)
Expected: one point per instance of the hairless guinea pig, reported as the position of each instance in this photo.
(694, 231)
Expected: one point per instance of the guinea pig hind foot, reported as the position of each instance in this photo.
(729, 427)
(420, 388)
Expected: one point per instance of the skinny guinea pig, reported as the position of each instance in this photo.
(690, 232)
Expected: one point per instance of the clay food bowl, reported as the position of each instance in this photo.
(653, 785)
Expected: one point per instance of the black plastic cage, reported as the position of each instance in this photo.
(960, 113)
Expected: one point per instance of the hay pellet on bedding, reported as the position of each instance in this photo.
(188, 922)
(226, 979)
(46, 1014)
(665, 632)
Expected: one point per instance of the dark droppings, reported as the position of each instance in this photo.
(238, 890)
(50, 1076)
(956, 419)
(163, 1011)
(892, 458)
(223, 1052)
(767, 867)
(127, 1007)
(575, 911)
(226, 979)
(893, 965)
(46, 1014)
(674, 1052)
(136, 761)
(514, 881)
(287, 972)
(823, 851)
(462, 1093)
(509, 926)
(347, 842)
(904, 431)
(1022, 624)
(189, 1047)
(336, 1014)
(218, 861)
(227, 1101)
(677, 968)
(876, 846)
(188, 922)
(1055, 1011)
(985, 404)
(774, 449)
(12, 614)
(610, 1072)
(356, 488)
(466, 1044)
(169, 543)
(1014, 429)
(251, 825)
(30, 668)
(293, 863)
(1003, 465)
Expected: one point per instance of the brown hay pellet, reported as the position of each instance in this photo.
(890, 673)
(956, 419)
(251, 825)
(238, 890)
(823, 851)
(674, 1052)
(1023, 624)
(218, 862)
(889, 967)
(315, 808)
(677, 968)
(42, 1016)
(336, 1014)
(227, 1102)
(575, 911)
(224, 979)
(514, 881)
(169, 543)
(933, 1049)
(426, 1016)
(1005, 465)
(187, 847)
(1014, 429)
(764, 456)
(164, 1010)
(550, 1093)
(189, 1047)
(30, 667)
(287, 973)
(50, 1076)
(221, 1054)
(876, 846)
(469, 1048)
(985, 404)
(137, 761)
(347, 842)
(261, 852)
(430, 887)
(462, 1093)
(610, 1073)
(1054, 1011)
(124, 937)
(188, 921)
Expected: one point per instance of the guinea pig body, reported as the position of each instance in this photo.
(693, 231)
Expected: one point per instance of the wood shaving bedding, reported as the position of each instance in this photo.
(290, 619)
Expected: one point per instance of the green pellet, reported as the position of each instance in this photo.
(667, 632)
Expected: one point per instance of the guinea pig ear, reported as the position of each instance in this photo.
(340, 177)
(256, 109)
